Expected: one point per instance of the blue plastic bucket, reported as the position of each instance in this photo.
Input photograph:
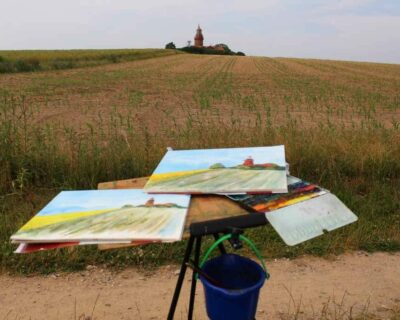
(244, 276)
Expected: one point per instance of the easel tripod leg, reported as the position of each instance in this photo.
(194, 281)
(181, 276)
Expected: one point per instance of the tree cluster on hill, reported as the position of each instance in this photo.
(220, 49)
(170, 45)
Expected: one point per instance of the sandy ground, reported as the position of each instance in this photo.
(350, 280)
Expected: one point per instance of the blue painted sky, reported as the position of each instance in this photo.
(75, 201)
(366, 30)
(181, 160)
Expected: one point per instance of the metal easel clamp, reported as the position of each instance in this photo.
(235, 241)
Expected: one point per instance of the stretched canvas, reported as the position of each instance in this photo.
(107, 216)
(233, 170)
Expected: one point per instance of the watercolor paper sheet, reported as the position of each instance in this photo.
(303, 213)
(309, 219)
(232, 170)
(34, 247)
(298, 191)
(107, 216)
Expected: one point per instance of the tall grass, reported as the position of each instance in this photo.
(360, 164)
(36, 60)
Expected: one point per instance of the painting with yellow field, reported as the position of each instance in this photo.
(107, 215)
(225, 171)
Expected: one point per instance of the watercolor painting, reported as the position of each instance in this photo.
(232, 170)
(309, 219)
(107, 216)
(34, 247)
(298, 191)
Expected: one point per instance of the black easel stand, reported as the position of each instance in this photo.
(197, 231)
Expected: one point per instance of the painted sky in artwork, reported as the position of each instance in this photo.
(77, 201)
(182, 160)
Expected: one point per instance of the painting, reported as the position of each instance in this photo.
(309, 219)
(107, 216)
(223, 171)
(34, 247)
(298, 191)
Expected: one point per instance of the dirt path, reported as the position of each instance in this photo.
(359, 278)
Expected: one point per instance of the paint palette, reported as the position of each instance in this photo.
(305, 212)
(309, 219)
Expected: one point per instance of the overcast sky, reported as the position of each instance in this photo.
(366, 30)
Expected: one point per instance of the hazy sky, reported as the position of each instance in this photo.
(366, 30)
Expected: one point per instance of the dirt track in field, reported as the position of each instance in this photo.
(352, 280)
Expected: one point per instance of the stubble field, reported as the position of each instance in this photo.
(339, 121)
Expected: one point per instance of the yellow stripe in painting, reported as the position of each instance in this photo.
(299, 199)
(169, 175)
(279, 205)
(40, 221)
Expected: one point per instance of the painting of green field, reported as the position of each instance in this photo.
(220, 180)
(107, 215)
(230, 170)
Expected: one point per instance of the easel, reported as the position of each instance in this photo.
(202, 221)
(197, 232)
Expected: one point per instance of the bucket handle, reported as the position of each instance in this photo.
(243, 238)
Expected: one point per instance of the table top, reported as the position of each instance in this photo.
(201, 208)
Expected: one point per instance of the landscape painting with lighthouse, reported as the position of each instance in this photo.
(107, 215)
(229, 170)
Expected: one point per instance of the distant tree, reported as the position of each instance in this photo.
(225, 46)
(189, 43)
(170, 45)
(217, 166)
(240, 53)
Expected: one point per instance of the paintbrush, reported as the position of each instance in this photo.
(210, 279)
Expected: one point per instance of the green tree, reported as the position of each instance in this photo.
(217, 166)
(170, 45)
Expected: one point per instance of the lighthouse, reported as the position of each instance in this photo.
(198, 38)
(249, 162)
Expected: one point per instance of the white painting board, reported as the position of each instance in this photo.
(308, 219)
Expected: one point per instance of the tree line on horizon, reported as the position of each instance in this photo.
(205, 50)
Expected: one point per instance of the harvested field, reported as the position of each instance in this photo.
(163, 91)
